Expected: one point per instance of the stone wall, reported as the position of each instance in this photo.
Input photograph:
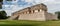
(38, 16)
(50, 16)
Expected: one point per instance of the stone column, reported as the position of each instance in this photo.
(31, 11)
(27, 12)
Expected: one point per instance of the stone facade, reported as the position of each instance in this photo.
(37, 12)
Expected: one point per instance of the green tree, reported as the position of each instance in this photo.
(3, 15)
(1, 3)
(58, 12)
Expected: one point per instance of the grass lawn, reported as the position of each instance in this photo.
(28, 23)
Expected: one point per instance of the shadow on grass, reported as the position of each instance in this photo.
(20, 25)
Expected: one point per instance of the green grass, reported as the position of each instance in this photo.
(28, 23)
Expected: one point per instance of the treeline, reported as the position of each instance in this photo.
(3, 15)
(58, 13)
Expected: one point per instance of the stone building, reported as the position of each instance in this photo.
(37, 12)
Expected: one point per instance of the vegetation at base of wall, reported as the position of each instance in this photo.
(28, 23)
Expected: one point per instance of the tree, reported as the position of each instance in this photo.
(3, 15)
(58, 12)
(1, 3)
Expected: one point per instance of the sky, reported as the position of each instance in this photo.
(13, 6)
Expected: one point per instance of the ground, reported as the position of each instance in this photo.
(28, 23)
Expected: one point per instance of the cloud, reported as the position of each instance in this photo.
(28, 0)
(37, 1)
(16, 8)
(8, 12)
(5, 6)
(52, 2)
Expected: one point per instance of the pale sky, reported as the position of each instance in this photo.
(53, 5)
